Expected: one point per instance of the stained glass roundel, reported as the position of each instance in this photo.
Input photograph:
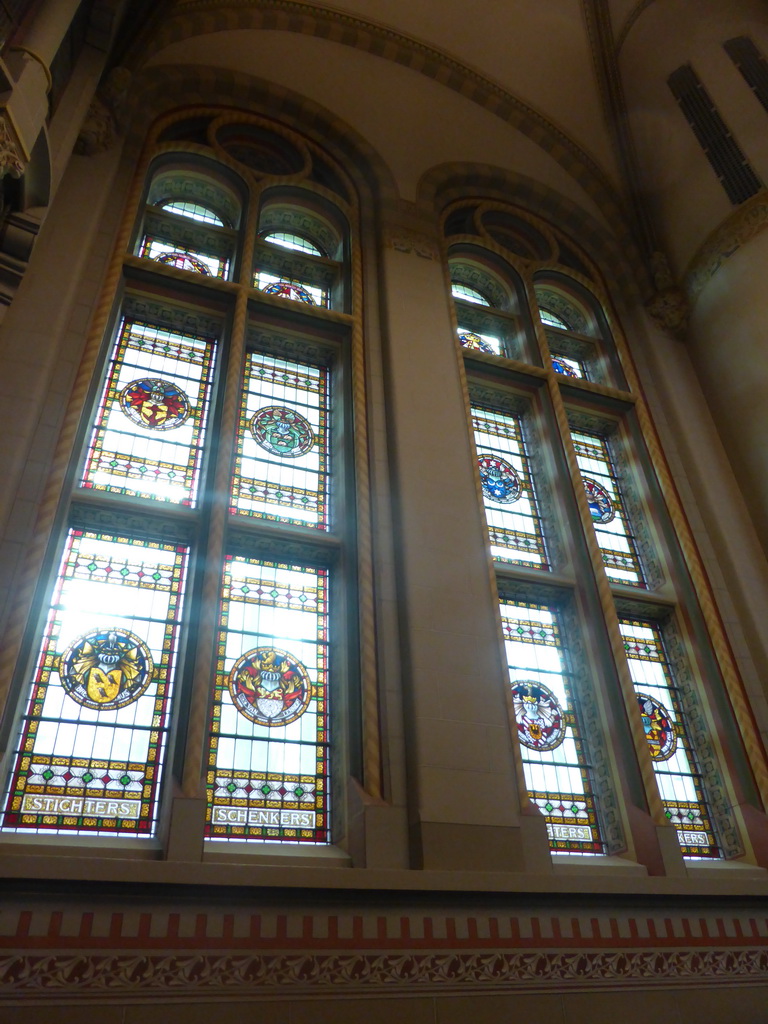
(155, 404)
(499, 480)
(469, 339)
(659, 729)
(540, 719)
(289, 290)
(106, 669)
(282, 431)
(183, 261)
(600, 504)
(270, 687)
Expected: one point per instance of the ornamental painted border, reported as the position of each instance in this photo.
(127, 974)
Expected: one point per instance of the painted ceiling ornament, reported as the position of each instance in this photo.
(540, 719)
(282, 431)
(499, 480)
(471, 340)
(659, 729)
(289, 290)
(600, 504)
(106, 669)
(270, 687)
(155, 404)
(183, 261)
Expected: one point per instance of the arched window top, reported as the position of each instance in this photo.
(301, 220)
(196, 191)
(551, 319)
(195, 211)
(559, 307)
(290, 240)
(468, 294)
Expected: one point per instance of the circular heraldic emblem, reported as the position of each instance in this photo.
(469, 339)
(658, 726)
(600, 504)
(106, 669)
(270, 687)
(282, 431)
(289, 290)
(183, 261)
(499, 480)
(540, 719)
(155, 404)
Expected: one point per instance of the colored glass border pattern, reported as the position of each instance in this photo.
(270, 783)
(283, 486)
(80, 770)
(677, 775)
(514, 528)
(615, 538)
(148, 460)
(558, 779)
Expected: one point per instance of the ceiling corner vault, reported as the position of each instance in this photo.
(197, 17)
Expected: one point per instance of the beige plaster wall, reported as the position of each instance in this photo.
(681, 190)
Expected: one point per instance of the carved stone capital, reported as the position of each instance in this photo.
(669, 306)
(102, 122)
(12, 159)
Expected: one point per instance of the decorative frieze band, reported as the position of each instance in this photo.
(743, 224)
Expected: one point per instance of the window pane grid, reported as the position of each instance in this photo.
(514, 522)
(90, 750)
(291, 241)
(674, 760)
(150, 425)
(192, 210)
(282, 458)
(557, 771)
(268, 764)
(606, 504)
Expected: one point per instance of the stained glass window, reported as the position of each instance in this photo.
(150, 425)
(674, 760)
(514, 524)
(555, 761)
(468, 294)
(291, 241)
(192, 210)
(177, 256)
(281, 466)
(479, 342)
(89, 754)
(607, 507)
(567, 367)
(288, 288)
(268, 768)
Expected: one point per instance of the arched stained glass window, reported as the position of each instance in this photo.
(192, 470)
(467, 294)
(545, 564)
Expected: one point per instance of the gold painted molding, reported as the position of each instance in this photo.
(736, 230)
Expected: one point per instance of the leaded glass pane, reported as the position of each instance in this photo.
(192, 210)
(185, 259)
(607, 507)
(479, 342)
(281, 464)
(268, 763)
(514, 523)
(552, 319)
(287, 288)
(89, 755)
(150, 426)
(463, 291)
(674, 760)
(554, 758)
(567, 367)
(291, 241)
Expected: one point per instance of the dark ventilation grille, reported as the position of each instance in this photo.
(728, 162)
(752, 65)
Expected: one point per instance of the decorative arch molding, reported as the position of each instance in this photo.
(160, 89)
(198, 17)
(623, 265)
(738, 228)
(629, 22)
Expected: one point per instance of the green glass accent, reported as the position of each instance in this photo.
(87, 777)
(124, 779)
(265, 789)
(47, 774)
